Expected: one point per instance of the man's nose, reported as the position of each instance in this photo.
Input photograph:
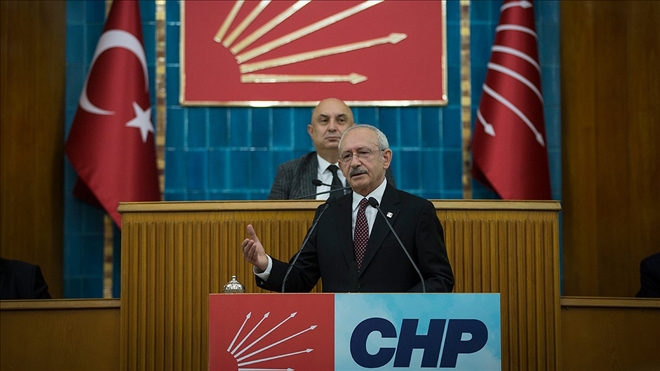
(355, 160)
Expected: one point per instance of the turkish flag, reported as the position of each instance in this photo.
(509, 147)
(111, 142)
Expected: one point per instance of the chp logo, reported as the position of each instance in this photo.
(271, 332)
(286, 52)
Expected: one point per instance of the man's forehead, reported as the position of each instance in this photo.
(358, 138)
(331, 108)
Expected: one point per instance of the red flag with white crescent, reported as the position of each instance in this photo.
(509, 147)
(111, 143)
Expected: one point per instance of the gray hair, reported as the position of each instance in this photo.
(383, 144)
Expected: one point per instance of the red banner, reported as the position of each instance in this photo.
(275, 332)
(509, 145)
(111, 142)
(299, 52)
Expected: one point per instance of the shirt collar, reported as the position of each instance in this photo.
(376, 193)
(323, 164)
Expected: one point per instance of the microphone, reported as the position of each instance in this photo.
(317, 183)
(373, 202)
(309, 233)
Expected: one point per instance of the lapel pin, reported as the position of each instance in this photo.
(389, 214)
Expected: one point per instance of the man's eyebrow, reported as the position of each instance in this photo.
(325, 115)
(358, 149)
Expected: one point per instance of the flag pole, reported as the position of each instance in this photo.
(466, 100)
(108, 237)
(108, 255)
(161, 94)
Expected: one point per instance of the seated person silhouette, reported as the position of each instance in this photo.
(21, 280)
(649, 270)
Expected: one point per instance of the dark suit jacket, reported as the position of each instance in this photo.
(649, 270)
(294, 178)
(21, 280)
(329, 254)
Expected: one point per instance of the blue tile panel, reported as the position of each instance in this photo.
(220, 153)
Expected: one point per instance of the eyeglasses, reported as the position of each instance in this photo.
(363, 154)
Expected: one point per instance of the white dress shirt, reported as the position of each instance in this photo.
(325, 175)
(369, 212)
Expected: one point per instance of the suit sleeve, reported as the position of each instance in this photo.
(432, 252)
(281, 188)
(22, 281)
(650, 277)
(39, 286)
(300, 279)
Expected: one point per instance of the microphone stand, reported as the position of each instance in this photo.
(309, 234)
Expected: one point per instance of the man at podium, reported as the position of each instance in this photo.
(375, 239)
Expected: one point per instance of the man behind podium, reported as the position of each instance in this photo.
(364, 157)
(294, 178)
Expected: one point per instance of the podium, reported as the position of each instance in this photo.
(348, 332)
(174, 254)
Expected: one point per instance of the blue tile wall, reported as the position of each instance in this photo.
(208, 149)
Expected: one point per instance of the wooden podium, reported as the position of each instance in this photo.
(175, 253)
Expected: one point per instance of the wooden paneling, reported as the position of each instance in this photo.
(72, 335)
(597, 334)
(609, 334)
(511, 253)
(31, 134)
(610, 143)
(175, 253)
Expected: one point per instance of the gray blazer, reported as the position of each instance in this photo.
(294, 178)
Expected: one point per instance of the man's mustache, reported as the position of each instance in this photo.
(357, 171)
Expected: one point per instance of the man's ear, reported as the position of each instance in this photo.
(387, 158)
(309, 129)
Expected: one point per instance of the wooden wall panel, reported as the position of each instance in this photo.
(31, 134)
(512, 253)
(72, 335)
(610, 334)
(611, 143)
(175, 253)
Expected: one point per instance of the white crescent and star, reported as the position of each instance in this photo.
(122, 39)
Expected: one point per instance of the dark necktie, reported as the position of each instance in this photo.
(361, 236)
(336, 183)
